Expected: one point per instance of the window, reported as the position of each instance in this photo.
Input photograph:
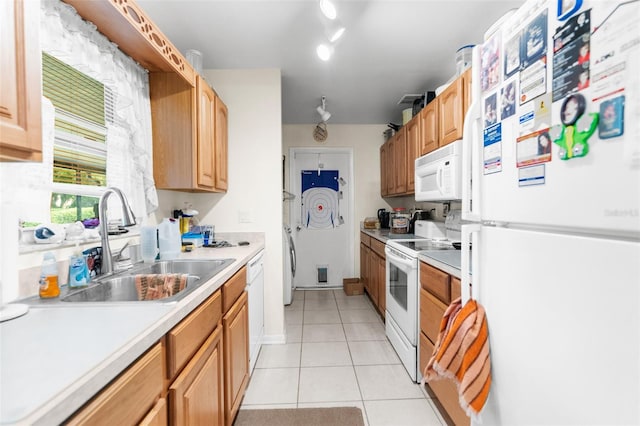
(82, 107)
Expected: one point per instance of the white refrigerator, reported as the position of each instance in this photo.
(551, 212)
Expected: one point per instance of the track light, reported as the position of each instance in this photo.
(322, 110)
(328, 9)
(324, 52)
(335, 35)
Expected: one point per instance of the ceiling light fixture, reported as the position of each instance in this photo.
(328, 9)
(337, 34)
(322, 110)
(324, 52)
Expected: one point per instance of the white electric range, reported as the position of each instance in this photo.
(403, 286)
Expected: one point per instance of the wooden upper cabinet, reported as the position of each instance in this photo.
(413, 151)
(128, 26)
(400, 161)
(450, 112)
(221, 145)
(391, 165)
(184, 121)
(466, 81)
(429, 127)
(206, 135)
(383, 169)
(20, 81)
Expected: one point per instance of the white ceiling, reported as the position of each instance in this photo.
(390, 48)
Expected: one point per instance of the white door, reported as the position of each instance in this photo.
(320, 216)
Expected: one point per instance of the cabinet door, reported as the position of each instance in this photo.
(400, 161)
(466, 81)
(221, 144)
(450, 114)
(391, 172)
(413, 149)
(157, 416)
(381, 277)
(236, 356)
(383, 169)
(205, 136)
(20, 81)
(372, 274)
(364, 266)
(429, 127)
(197, 395)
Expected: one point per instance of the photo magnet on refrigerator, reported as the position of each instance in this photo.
(572, 141)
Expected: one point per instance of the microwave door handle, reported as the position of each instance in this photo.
(439, 178)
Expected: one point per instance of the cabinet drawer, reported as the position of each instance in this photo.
(456, 288)
(431, 312)
(129, 397)
(378, 247)
(444, 389)
(233, 288)
(436, 282)
(365, 239)
(184, 339)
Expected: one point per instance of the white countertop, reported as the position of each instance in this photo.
(54, 359)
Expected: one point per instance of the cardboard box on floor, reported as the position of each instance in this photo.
(352, 286)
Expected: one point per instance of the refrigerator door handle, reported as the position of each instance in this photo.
(471, 147)
(469, 262)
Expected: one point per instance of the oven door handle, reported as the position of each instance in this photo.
(402, 261)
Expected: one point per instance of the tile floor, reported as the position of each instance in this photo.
(337, 354)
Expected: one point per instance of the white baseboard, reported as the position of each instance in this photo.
(274, 339)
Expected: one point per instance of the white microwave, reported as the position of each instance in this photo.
(439, 174)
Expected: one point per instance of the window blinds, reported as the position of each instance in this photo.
(79, 152)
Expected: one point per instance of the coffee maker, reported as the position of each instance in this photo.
(383, 218)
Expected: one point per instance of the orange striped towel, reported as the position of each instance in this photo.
(461, 353)
(159, 286)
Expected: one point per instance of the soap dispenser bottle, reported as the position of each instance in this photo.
(78, 270)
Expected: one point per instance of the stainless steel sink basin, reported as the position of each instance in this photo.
(121, 287)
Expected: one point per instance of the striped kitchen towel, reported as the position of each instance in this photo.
(159, 286)
(461, 353)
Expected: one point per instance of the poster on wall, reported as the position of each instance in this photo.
(320, 199)
(534, 40)
(571, 55)
(490, 64)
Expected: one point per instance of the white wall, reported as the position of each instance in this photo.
(252, 201)
(365, 140)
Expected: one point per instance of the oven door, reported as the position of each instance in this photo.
(402, 292)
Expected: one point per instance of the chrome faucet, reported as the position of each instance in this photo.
(128, 219)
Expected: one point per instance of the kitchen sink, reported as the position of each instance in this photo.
(121, 287)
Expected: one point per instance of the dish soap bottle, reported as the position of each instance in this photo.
(49, 277)
(78, 271)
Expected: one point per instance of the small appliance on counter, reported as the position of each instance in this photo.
(383, 217)
(417, 215)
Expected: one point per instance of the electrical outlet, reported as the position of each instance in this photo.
(244, 216)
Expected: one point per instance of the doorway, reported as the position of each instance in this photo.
(321, 215)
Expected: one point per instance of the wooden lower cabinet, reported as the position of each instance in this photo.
(197, 395)
(437, 290)
(372, 271)
(445, 391)
(157, 416)
(236, 356)
(196, 374)
(130, 397)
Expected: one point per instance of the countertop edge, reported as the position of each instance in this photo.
(74, 396)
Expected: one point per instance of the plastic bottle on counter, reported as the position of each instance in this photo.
(149, 243)
(400, 221)
(169, 239)
(78, 271)
(49, 277)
